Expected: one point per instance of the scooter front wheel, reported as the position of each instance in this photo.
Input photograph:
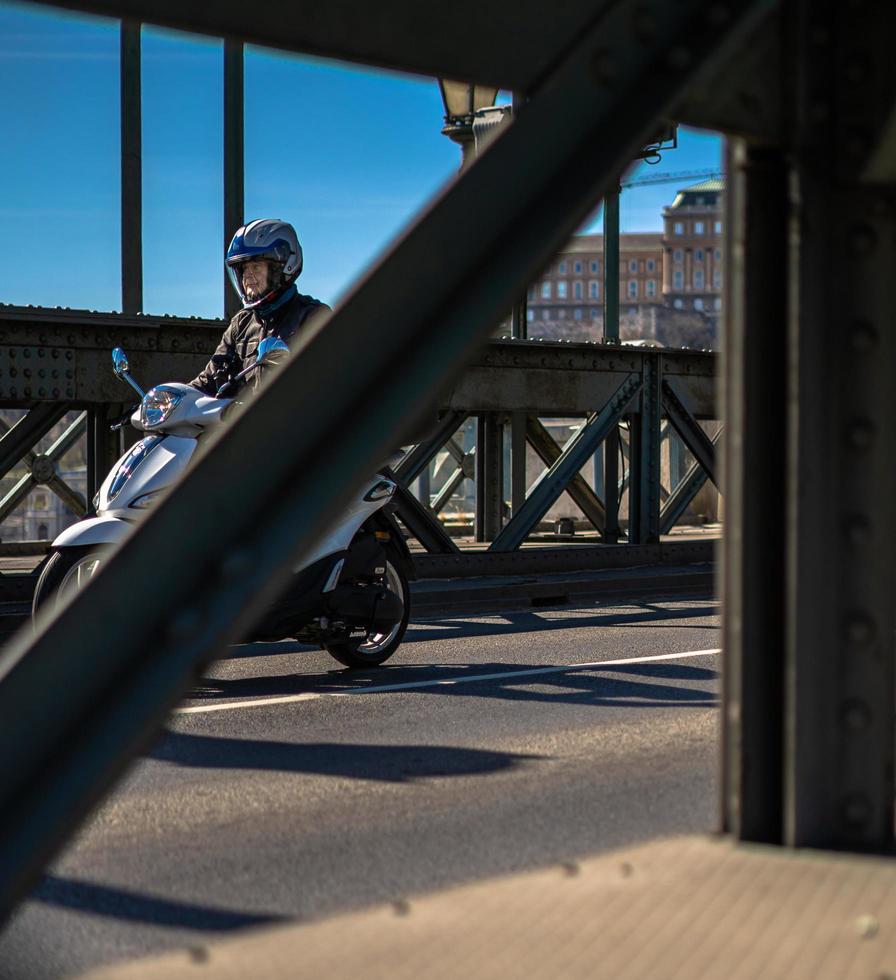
(376, 648)
(66, 571)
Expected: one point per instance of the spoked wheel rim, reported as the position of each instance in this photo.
(377, 642)
(77, 577)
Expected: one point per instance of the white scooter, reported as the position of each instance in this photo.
(350, 597)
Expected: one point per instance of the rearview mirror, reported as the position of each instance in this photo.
(268, 347)
(119, 362)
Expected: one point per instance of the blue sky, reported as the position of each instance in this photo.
(347, 154)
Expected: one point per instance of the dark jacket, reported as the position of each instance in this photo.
(243, 334)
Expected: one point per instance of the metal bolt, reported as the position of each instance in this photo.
(857, 530)
(860, 434)
(855, 716)
(236, 564)
(863, 337)
(184, 625)
(859, 629)
(863, 239)
(856, 811)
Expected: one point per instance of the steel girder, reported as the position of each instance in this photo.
(554, 480)
(118, 665)
(18, 439)
(678, 500)
(43, 472)
(691, 434)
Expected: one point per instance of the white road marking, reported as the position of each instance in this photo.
(201, 709)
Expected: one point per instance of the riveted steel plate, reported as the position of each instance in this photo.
(37, 373)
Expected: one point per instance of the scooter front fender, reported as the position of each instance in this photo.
(94, 531)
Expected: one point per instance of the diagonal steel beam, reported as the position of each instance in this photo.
(582, 495)
(403, 34)
(692, 435)
(447, 491)
(117, 666)
(29, 430)
(688, 488)
(422, 523)
(23, 487)
(417, 458)
(548, 487)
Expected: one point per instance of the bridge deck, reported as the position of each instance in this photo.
(688, 907)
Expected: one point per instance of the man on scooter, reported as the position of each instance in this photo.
(263, 261)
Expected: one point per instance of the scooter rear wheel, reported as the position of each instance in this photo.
(67, 570)
(376, 648)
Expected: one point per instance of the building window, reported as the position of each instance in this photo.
(718, 227)
(531, 294)
(594, 313)
(699, 279)
(41, 502)
(530, 315)
(633, 288)
(561, 289)
(698, 303)
(577, 290)
(545, 290)
(651, 265)
(561, 314)
(577, 314)
(561, 269)
(545, 314)
(678, 228)
(699, 227)
(577, 268)
(633, 265)
(718, 255)
(678, 279)
(594, 268)
(716, 278)
(43, 532)
(677, 255)
(651, 287)
(717, 302)
(594, 289)
(678, 304)
(698, 255)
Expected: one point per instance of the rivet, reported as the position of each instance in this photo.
(863, 239)
(820, 110)
(27, 372)
(867, 926)
(857, 530)
(55, 392)
(42, 393)
(863, 337)
(27, 352)
(236, 564)
(679, 58)
(855, 716)
(860, 434)
(27, 392)
(13, 372)
(859, 629)
(184, 625)
(856, 69)
(856, 811)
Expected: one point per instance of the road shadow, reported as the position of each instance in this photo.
(624, 685)
(450, 627)
(386, 763)
(130, 906)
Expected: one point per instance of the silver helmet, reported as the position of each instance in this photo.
(274, 241)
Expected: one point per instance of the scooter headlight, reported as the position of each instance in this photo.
(157, 406)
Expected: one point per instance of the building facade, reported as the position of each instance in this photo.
(678, 269)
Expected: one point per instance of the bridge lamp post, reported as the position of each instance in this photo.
(461, 100)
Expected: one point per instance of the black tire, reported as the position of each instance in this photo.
(61, 563)
(376, 651)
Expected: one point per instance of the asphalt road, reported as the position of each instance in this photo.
(286, 788)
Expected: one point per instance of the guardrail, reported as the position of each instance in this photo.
(489, 428)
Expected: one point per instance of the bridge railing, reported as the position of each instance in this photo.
(489, 429)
